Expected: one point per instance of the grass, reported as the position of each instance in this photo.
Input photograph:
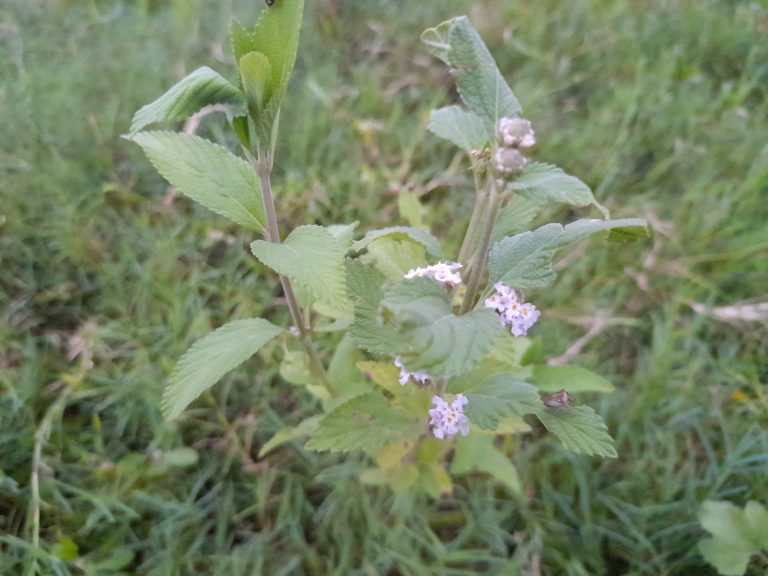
(660, 106)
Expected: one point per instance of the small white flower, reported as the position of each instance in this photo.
(448, 419)
(444, 272)
(516, 133)
(513, 311)
(420, 377)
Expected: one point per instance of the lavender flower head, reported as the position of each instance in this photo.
(514, 312)
(516, 133)
(420, 377)
(444, 272)
(448, 419)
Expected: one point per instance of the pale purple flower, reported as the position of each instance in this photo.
(516, 133)
(444, 272)
(448, 419)
(513, 311)
(420, 377)
(509, 161)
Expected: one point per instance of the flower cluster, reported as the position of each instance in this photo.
(513, 311)
(515, 134)
(444, 272)
(448, 419)
(420, 377)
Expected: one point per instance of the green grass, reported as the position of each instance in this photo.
(660, 106)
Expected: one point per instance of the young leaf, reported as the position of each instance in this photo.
(433, 339)
(525, 260)
(394, 257)
(477, 452)
(208, 174)
(212, 357)
(255, 74)
(736, 535)
(580, 430)
(409, 207)
(312, 258)
(419, 235)
(364, 288)
(546, 183)
(516, 217)
(479, 81)
(201, 88)
(569, 378)
(285, 435)
(501, 397)
(364, 422)
(465, 129)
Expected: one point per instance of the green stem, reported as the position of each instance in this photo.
(481, 255)
(263, 168)
(470, 238)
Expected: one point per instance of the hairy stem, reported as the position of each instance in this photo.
(469, 243)
(481, 255)
(263, 168)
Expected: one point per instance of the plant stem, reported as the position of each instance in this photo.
(470, 238)
(481, 256)
(263, 167)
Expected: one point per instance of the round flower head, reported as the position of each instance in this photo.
(513, 311)
(420, 377)
(516, 133)
(446, 419)
(509, 162)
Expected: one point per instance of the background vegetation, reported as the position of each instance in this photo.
(660, 105)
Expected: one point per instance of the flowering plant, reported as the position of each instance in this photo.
(431, 361)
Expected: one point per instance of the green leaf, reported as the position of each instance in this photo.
(580, 430)
(312, 258)
(208, 174)
(409, 207)
(737, 535)
(433, 339)
(343, 374)
(465, 129)
(255, 74)
(211, 358)
(477, 452)
(418, 235)
(364, 288)
(201, 88)
(365, 422)
(570, 378)
(525, 260)
(580, 229)
(479, 81)
(289, 434)
(394, 257)
(501, 397)
(546, 183)
(516, 217)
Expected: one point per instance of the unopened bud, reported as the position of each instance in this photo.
(558, 399)
(509, 162)
(516, 133)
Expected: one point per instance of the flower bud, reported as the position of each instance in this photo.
(509, 162)
(516, 133)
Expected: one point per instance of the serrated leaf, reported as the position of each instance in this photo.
(465, 129)
(418, 235)
(312, 258)
(736, 535)
(364, 288)
(212, 357)
(570, 378)
(289, 434)
(525, 260)
(516, 217)
(394, 257)
(242, 39)
(201, 88)
(255, 75)
(364, 422)
(476, 452)
(546, 183)
(208, 174)
(580, 430)
(432, 338)
(478, 80)
(501, 397)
